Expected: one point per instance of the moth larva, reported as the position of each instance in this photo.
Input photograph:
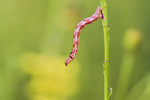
(95, 16)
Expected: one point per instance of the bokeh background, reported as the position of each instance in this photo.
(36, 38)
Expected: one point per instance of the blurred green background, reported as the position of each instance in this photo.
(36, 38)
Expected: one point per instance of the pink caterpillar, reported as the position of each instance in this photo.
(95, 16)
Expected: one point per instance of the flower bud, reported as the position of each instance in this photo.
(132, 40)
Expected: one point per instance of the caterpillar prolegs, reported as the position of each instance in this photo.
(95, 16)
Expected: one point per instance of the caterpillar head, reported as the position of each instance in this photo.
(68, 60)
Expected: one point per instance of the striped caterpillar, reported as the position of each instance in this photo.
(95, 16)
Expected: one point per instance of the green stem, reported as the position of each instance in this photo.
(106, 48)
(124, 76)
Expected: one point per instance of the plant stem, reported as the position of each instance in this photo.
(106, 48)
(124, 76)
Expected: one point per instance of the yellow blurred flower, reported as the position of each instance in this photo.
(50, 77)
(132, 39)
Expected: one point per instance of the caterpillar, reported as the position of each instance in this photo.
(95, 16)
